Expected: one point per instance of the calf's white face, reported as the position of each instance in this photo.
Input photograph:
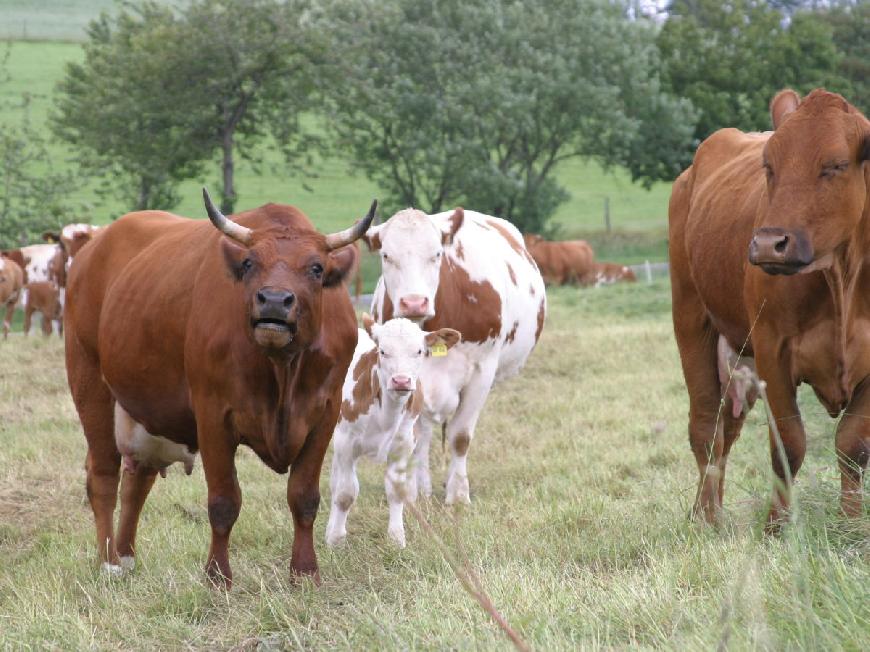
(411, 246)
(402, 347)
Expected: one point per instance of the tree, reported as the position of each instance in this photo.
(729, 58)
(33, 196)
(161, 91)
(850, 22)
(120, 108)
(453, 102)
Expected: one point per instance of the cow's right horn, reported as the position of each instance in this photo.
(237, 232)
(352, 233)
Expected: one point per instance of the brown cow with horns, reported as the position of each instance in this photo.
(182, 337)
(797, 200)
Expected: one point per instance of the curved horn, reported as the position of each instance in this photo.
(352, 233)
(237, 232)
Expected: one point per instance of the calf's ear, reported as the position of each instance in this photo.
(368, 322)
(782, 105)
(338, 265)
(446, 336)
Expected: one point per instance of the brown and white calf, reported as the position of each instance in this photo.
(381, 402)
(11, 283)
(43, 297)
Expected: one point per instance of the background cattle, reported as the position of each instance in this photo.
(607, 273)
(11, 283)
(470, 272)
(798, 201)
(561, 263)
(43, 297)
(245, 338)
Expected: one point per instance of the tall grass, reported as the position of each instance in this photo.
(581, 479)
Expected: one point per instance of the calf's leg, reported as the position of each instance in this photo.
(396, 484)
(344, 488)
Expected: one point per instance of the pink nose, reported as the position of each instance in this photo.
(413, 305)
(401, 382)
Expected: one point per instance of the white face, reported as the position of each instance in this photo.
(401, 350)
(411, 248)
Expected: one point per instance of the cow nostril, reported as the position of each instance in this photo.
(289, 299)
(781, 245)
(261, 298)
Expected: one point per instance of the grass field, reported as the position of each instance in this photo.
(581, 478)
(332, 195)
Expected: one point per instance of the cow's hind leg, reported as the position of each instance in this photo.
(460, 432)
(93, 402)
(135, 488)
(853, 452)
(697, 341)
(344, 488)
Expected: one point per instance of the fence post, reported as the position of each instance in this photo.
(648, 269)
(607, 213)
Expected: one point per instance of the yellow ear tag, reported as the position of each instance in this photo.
(438, 350)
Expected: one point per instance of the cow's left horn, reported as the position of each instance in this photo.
(237, 232)
(352, 233)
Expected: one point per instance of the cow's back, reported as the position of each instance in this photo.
(490, 251)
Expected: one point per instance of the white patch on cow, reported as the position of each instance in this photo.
(37, 259)
(456, 386)
(385, 431)
(112, 570)
(138, 444)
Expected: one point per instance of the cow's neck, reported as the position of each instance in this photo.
(286, 372)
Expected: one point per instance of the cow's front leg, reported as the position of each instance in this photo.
(460, 432)
(782, 396)
(423, 432)
(303, 495)
(344, 487)
(396, 483)
(853, 451)
(218, 452)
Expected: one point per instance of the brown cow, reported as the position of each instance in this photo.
(798, 201)
(11, 282)
(560, 263)
(43, 297)
(178, 332)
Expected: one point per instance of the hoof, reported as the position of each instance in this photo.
(128, 562)
(458, 492)
(398, 536)
(112, 570)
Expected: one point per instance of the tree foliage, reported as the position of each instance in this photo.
(33, 196)
(162, 91)
(729, 58)
(453, 102)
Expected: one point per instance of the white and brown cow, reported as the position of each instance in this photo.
(471, 272)
(381, 402)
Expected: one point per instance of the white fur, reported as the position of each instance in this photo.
(384, 432)
(456, 386)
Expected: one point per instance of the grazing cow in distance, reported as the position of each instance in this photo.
(470, 272)
(11, 284)
(769, 240)
(561, 263)
(607, 273)
(381, 401)
(43, 297)
(208, 335)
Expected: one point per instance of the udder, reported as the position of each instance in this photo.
(736, 374)
(138, 447)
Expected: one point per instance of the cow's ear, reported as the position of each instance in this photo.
(782, 105)
(368, 323)
(446, 336)
(51, 236)
(338, 265)
(372, 237)
(238, 259)
(864, 152)
(454, 223)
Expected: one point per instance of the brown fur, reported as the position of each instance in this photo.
(158, 317)
(561, 263)
(11, 283)
(811, 327)
(366, 389)
(44, 298)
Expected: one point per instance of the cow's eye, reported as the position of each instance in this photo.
(383, 353)
(420, 352)
(317, 270)
(247, 264)
(833, 169)
(385, 257)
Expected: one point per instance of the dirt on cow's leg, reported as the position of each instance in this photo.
(94, 405)
(853, 452)
(135, 488)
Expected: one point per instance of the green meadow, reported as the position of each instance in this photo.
(581, 480)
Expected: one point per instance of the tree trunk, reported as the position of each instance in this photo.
(144, 195)
(228, 196)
